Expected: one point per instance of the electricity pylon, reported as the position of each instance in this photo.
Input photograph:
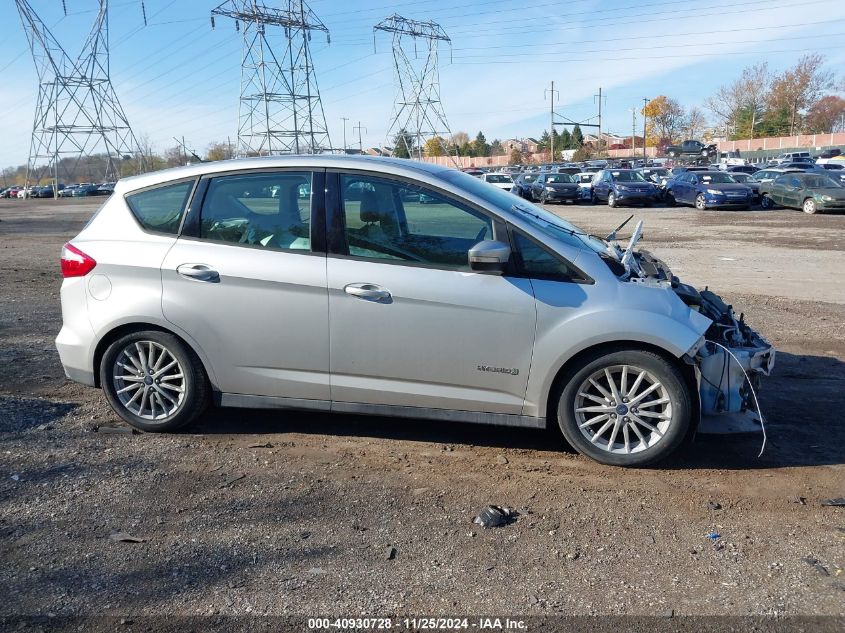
(78, 112)
(280, 109)
(418, 112)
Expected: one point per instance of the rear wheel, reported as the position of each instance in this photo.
(766, 202)
(809, 206)
(153, 381)
(625, 408)
(611, 199)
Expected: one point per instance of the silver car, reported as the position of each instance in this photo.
(392, 287)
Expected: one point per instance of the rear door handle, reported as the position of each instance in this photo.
(199, 272)
(368, 292)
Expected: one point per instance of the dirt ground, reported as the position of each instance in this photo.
(292, 513)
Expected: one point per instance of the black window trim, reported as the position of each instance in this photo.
(191, 223)
(162, 185)
(337, 246)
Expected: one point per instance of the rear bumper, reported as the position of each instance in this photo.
(76, 340)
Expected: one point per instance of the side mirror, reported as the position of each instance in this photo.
(489, 256)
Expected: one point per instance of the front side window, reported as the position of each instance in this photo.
(270, 210)
(161, 209)
(404, 222)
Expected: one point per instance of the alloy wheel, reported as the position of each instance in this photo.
(148, 380)
(623, 409)
(700, 203)
(809, 206)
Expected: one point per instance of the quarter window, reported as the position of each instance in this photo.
(270, 210)
(161, 209)
(392, 221)
(539, 263)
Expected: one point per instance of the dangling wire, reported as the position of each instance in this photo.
(64, 7)
(144, 12)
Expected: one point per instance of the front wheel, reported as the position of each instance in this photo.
(700, 202)
(809, 206)
(154, 381)
(625, 408)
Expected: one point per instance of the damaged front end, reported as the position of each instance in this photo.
(729, 359)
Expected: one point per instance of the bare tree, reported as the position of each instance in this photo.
(800, 86)
(726, 105)
(696, 122)
(754, 85)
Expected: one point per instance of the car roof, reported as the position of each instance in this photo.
(396, 166)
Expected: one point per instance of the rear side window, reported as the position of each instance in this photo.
(161, 209)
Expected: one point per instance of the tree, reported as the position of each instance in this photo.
(797, 88)
(545, 142)
(219, 151)
(754, 84)
(565, 139)
(577, 138)
(726, 105)
(825, 115)
(403, 144)
(515, 157)
(695, 123)
(581, 154)
(435, 146)
(665, 119)
(480, 147)
(459, 138)
(496, 148)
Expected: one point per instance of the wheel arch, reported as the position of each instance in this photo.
(559, 380)
(128, 328)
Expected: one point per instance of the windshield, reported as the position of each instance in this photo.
(627, 176)
(529, 178)
(715, 178)
(498, 178)
(546, 222)
(821, 182)
(740, 177)
(559, 178)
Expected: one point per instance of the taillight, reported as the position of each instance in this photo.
(75, 263)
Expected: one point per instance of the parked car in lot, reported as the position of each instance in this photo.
(555, 187)
(692, 148)
(745, 179)
(623, 186)
(741, 169)
(84, 190)
(708, 190)
(498, 179)
(67, 192)
(585, 184)
(522, 184)
(810, 192)
(107, 188)
(477, 308)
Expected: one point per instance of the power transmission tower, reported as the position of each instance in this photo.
(418, 112)
(78, 113)
(280, 109)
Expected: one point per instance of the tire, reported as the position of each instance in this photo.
(809, 206)
(611, 199)
(169, 409)
(593, 198)
(646, 442)
(669, 199)
(766, 202)
(700, 202)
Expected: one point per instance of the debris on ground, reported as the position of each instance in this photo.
(501, 459)
(714, 536)
(494, 516)
(123, 537)
(231, 480)
(391, 553)
(114, 430)
(713, 505)
(265, 445)
(837, 503)
(800, 500)
(16, 477)
(814, 562)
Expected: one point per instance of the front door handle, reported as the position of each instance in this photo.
(368, 292)
(199, 272)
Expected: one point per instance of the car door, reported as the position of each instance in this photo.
(792, 192)
(247, 281)
(537, 187)
(600, 186)
(680, 187)
(411, 325)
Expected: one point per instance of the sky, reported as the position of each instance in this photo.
(178, 77)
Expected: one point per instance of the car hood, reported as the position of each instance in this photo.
(838, 194)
